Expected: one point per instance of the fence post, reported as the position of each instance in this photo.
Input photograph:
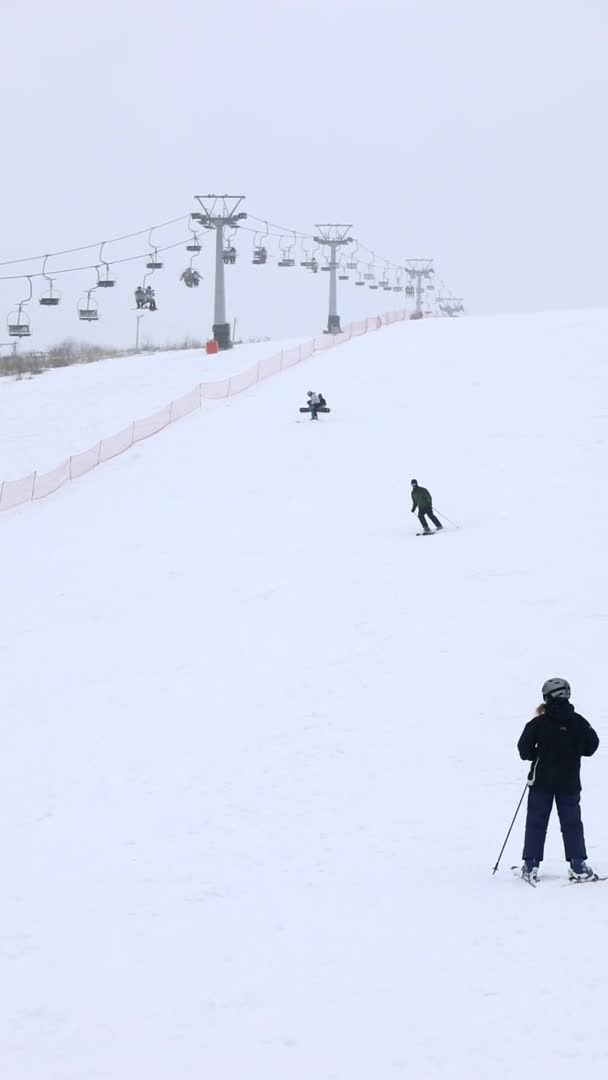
(99, 452)
(282, 355)
(34, 475)
(171, 413)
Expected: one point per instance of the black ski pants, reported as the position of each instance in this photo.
(427, 511)
(313, 411)
(540, 804)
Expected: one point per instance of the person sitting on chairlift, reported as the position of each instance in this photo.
(191, 278)
(140, 297)
(150, 300)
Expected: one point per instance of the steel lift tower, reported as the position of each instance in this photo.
(333, 237)
(220, 212)
(420, 270)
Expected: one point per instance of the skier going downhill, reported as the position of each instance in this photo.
(554, 741)
(422, 502)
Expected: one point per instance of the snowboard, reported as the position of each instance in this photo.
(320, 408)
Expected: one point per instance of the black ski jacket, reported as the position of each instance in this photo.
(421, 498)
(554, 742)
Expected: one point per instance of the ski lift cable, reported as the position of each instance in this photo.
(88, 247)
(91, 266)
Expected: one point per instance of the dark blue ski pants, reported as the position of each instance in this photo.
(540, 805)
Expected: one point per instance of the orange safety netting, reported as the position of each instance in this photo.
(39, 485)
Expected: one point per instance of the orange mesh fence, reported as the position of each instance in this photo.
(38, 485)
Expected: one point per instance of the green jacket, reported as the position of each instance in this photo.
(421, 499)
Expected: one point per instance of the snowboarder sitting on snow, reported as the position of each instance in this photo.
(554, 741)
(423, 503)
(315, 401)
(140, 297)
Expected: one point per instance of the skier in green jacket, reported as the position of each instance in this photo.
(422, 502)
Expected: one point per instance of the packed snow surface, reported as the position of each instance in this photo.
(259, 738)
(47, 417)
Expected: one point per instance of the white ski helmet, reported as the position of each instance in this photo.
(556, 688)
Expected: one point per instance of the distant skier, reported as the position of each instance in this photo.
(314, 403)
(140, 297)
(422, 502)
(554, 741)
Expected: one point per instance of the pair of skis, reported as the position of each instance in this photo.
(573, 881)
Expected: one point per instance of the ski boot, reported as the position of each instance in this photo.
(529, 871)
(580, 871)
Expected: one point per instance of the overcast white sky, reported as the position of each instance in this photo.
(472, 132)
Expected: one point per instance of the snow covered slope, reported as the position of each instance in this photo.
(63, 411)
(259, 739)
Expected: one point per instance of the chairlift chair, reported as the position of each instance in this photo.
(19, 323)
(87, 308)
(194, 247)
(352, 264)
(260, 252)
(360, 280)
(106, 282)
(287, 258)
(50, 298)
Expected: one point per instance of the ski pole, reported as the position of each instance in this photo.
(452, 523)
(510, 828)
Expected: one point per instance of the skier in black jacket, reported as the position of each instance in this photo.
(554, 741)
(422, 502)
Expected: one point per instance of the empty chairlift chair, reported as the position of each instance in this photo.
(18, 323)
(88, 310)
(105, 279)
(287, 258)
(51, 297)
